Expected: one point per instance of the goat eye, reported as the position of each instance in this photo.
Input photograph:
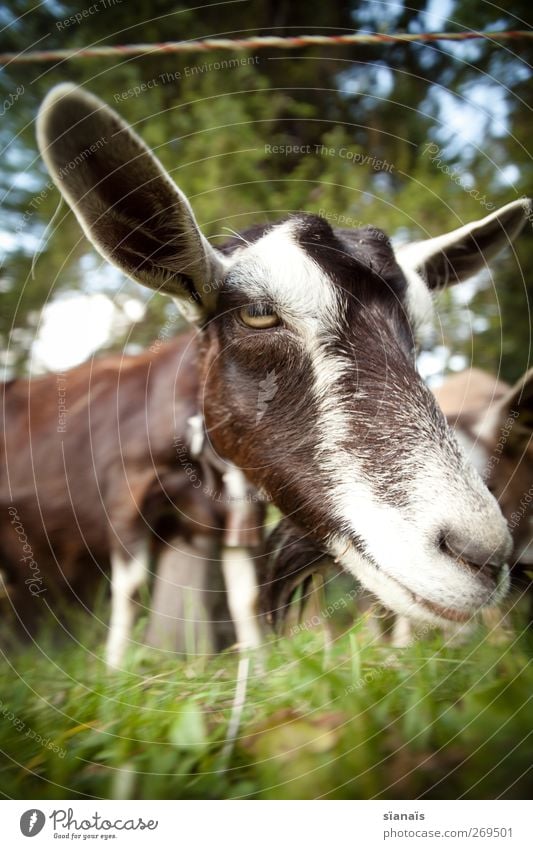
(259, 316)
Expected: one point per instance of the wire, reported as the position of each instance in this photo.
(257, 43)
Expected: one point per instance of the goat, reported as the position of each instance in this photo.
(109, 481)
(351, 444)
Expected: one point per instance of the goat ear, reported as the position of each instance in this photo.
(126, 203)
(458, 255)
(517, 407)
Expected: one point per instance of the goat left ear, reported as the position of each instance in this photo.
(458, 255)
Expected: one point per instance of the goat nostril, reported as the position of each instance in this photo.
(472, 555)
(441, 542)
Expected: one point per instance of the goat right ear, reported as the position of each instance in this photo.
(126, 203)
(456, 256)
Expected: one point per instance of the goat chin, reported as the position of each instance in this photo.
(466, 593)
(294, 558)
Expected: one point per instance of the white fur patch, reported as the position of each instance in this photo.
(403, 542)
(276, 268)
(420, 304)
(241, 586)
(127, 576)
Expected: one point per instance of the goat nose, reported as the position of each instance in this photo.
(487, 556)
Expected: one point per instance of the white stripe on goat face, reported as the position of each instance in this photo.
(276, 268)
(419, 303)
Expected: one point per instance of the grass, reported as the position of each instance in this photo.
(346, 721)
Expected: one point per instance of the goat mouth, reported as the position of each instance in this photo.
(494, 591)
(452, 614)
(449, 613)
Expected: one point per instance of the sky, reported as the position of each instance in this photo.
(74, 327)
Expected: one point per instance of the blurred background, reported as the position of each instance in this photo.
(413, 138)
